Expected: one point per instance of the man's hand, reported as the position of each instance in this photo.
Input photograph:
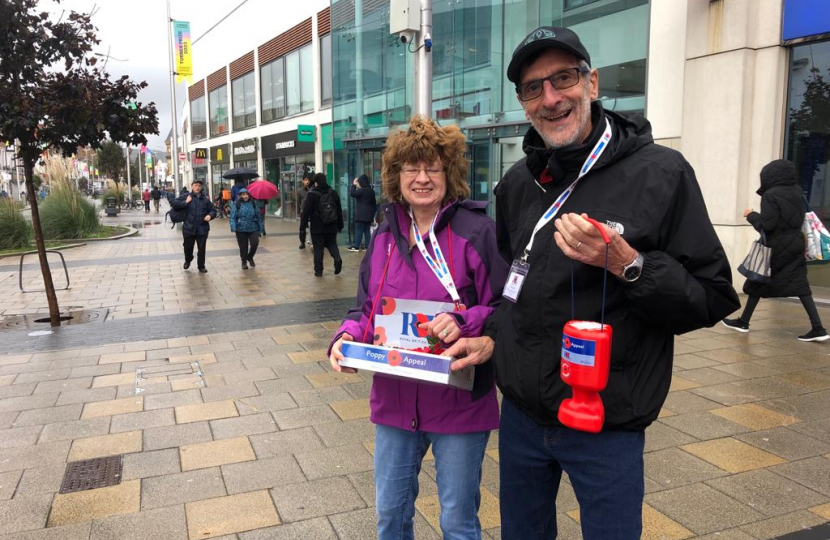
(188, 199)
(581, 241)
(748, 211)
(207, 217)
(470, 352)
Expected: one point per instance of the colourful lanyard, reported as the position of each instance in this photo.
(438, 265)
(551, 212)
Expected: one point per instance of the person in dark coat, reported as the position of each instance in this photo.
(302, 194)
(364, 211)
(247, 223)
(196, 226)
(782, 213)
(156, 196)
(323, 235)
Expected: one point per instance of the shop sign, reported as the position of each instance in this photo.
(220, 154)
(805, 19)
(305, 133)
(200, 157)
(244, 150)
(285, 144)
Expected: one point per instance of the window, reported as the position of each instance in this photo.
(325, 69)
(273, 90)
(198, 119)
(218, 102)
(244, 102)
(287, 85)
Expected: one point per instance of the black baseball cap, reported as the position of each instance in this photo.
(545, 37)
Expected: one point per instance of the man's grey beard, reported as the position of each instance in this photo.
(575, 138)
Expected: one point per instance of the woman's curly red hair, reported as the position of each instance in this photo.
(425, 142)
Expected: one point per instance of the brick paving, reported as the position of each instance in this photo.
(276, 446)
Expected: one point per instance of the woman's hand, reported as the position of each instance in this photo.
(748, 211)
(337, 355)
(443, 327)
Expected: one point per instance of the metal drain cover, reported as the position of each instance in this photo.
(27, 322)
(91, 474)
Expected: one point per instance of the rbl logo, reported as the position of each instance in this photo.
(411, 322)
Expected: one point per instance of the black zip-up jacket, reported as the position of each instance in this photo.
(311, 212)
(648, 193)
(199, 207)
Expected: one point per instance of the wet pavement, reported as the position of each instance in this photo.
(216, 391)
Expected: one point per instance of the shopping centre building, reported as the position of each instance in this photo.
(732, 84)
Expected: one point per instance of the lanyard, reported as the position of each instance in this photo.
(551, 212)
(438, 265)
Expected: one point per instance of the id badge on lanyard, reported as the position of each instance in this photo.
(520, 267)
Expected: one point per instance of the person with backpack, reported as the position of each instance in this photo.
(195, 210)
(156, 196)
(246, 222)
(364, 212)
(322, 210)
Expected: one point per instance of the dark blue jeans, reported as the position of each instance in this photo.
(605, 469)
(362, 231)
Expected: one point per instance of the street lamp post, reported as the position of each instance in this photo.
(173, 99)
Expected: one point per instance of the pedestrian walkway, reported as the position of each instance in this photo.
(216, 391)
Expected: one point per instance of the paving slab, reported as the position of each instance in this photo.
(142, 420)
(313, 499)
(673, 468)
(148, 464)
(21, 436)
(786, 443)
(199, 412)
(266, 403)
(173, 489)
(86, 396)
(78, 531)
(246, 425)
(312, 529)
(754, 416)
(285, 442)
(75, 429)
(24, 514)
(105, 445)
(304, 417)
(161, 524)
(8, 483)
(343, 433)
(660, 436)
(215, 453)
(337, 461)
(769, 493)
(262, 474)
(813, 473)
(178, 435)
(702, 509)
(123, 498)
(113, 407)
(782, 527)
(40, 455)
(232, 514)
(174, 399)
(704, 425)
(362, 525)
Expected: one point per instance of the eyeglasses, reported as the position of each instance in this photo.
(561, 80)
(412, 172)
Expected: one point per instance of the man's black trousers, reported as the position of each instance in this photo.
(246, 239)
(189, 241)
(321, 241)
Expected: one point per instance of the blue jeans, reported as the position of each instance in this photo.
(398, 457)
(362, 231)
(605, 469)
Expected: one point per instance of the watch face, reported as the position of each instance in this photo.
(632, 273)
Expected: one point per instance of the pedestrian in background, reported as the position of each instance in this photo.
(782, 213)
(323, 211)
(146, 198)
(263, 208)
(196, 226)
(430, 218)
(364, 211)
(246, 222)
(237, 186)
(302, 194)
(156, 196)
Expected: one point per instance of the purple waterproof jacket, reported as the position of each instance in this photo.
(479, 272)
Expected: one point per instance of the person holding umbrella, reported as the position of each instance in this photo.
(262, 190)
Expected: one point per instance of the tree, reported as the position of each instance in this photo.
(53, 97)
(111, 161)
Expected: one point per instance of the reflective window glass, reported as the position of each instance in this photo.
(218, 103)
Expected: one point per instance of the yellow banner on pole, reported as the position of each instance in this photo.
(184, 61)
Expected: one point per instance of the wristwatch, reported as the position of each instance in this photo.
(632, 271)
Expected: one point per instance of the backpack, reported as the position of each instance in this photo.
(176, 216)
(328, 207)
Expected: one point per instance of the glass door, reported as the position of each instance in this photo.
(288, 184)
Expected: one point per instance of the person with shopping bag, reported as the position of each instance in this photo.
(780, 222)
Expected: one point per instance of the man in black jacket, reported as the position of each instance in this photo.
(322, 209)
(196, 226)
(364, 210)
(670, 275)
(156, 196)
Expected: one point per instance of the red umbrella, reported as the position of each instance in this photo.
(262, 189)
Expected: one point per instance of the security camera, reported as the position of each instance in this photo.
(406, 37)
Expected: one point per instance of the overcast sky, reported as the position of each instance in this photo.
(136, 32)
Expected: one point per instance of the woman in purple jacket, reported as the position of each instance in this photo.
(425, 175)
